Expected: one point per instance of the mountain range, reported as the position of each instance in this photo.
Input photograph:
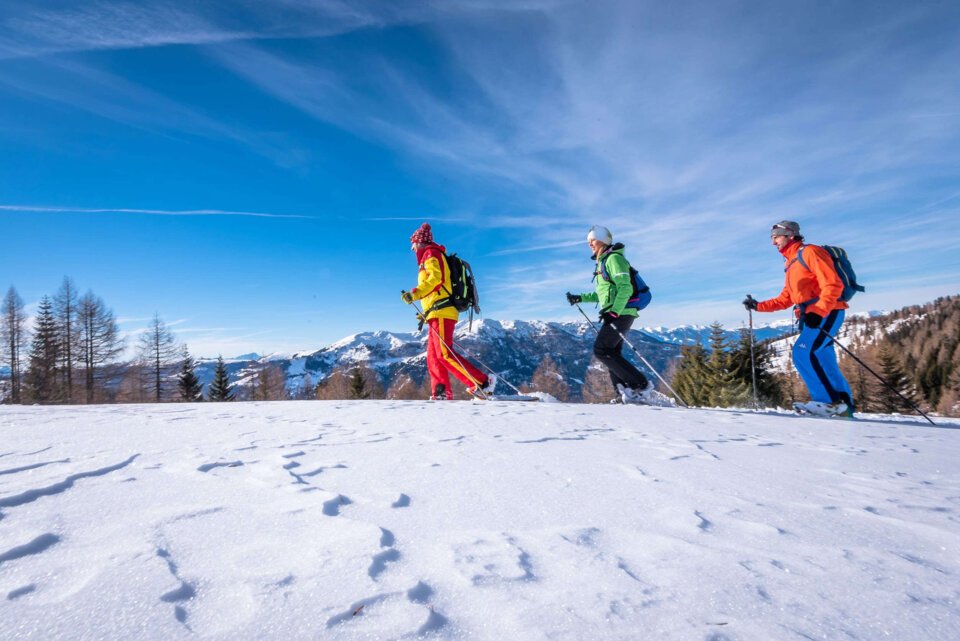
(514, 349)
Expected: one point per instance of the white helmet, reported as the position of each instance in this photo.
(601, 233)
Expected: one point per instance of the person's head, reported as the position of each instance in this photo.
(421, 237)
(599, 238)
(784, 233)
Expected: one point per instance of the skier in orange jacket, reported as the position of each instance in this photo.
(433, 288)
(813, 287)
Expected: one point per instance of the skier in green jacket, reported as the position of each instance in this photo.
(614, 290)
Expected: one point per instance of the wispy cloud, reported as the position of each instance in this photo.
(87, 88)
(149, 212)
(38, 32)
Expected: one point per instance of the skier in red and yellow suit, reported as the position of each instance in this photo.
(433, 287)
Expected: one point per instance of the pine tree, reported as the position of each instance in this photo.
(220, 389)
(358, 384)
(188, 383)
(41, 380)
(13, 322)
(893, 374)
(725, 388)
(693, 378)
(769, 385)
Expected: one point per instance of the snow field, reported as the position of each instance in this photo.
(405, 520)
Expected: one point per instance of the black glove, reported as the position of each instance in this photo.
(749, 303)
(812, 320)
(608, 317)
(573, 299)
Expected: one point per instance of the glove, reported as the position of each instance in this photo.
(812, 320)
(608, 317)
(406, 297)
(750, 303)
(573, 299)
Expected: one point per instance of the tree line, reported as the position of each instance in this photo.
(916, 350)
(72, 354)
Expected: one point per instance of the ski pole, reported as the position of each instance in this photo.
(753, 362)
(639, 355)
(910, 404)
(474, 357)
(468, 353)
(423, 318)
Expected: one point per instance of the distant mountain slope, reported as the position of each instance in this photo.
(513, 349)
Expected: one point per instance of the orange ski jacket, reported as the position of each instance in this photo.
(817, 289)
(433, 282)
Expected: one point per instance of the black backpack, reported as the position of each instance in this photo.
(463, 294)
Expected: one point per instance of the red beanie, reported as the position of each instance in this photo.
(422, 235)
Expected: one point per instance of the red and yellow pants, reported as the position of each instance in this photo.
(442, 360)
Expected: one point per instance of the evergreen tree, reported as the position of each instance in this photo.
(769, 385)
(188, 383)
(220, 389)
(725, 389)
(892, 372)
(693, 378)
(41, 379)
(358, 384)
(13, 322)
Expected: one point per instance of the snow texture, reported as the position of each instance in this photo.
(474, 521)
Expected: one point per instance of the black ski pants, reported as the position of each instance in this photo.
(609, 350)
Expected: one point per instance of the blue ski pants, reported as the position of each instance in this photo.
(816, 361)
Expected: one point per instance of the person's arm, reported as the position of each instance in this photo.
(429, 278)
(831, 287)
(782, 301)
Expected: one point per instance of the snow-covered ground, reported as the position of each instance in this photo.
(494, 521)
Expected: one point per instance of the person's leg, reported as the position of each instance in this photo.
(455, 363)
(435, 366)
(807, 357)
(608, 350)
(825, 359)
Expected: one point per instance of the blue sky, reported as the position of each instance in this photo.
(252, 170)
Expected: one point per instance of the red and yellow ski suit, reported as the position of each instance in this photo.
(433, 286)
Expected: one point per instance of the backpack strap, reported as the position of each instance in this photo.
(800, 258)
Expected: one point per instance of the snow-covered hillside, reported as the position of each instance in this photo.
(474, 521)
